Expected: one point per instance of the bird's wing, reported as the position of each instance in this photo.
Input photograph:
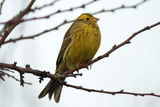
(66, 41)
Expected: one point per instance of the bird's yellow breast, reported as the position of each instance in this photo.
(84, 44)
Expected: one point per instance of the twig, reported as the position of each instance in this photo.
(111, 92)
(16, 21)
(14, 40)
(44, 6)
(54, 13)
(11, 76)
(1, 5)
(36, 35)
(121, 7)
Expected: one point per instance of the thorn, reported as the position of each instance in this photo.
(80, 87)
(27, 66)
(122, 6)
(113, 93)
(135, 7)
(15, 63)
(21, 36)
(65, 21)
(71, 9)
(58, 11)
(147, 27)
(83, 6)
(121, 91)
(135, 94)
(107, 55)
(102, 10)
(128, 42)
(56, 28)
(47, 16)
(113, 11)
(114, 46)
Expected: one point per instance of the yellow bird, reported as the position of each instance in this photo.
(80, 44)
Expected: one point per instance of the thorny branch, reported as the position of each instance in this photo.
(16, 21)
(111, 92)
(14, 40)
(44, 74)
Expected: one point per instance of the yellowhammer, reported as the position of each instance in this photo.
(79, 46)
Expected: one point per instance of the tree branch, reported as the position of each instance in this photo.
(115, 47)
(14, 40)
(111, 92)
(44, 74)
(121, 7)
(44, 6)
(16, 21)
(47, 74)
(83, 6)
(54, 13)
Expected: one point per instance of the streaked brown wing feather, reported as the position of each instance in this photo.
(66, 41)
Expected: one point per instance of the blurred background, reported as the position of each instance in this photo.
(134, 67)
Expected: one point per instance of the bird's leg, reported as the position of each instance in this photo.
(77, 66)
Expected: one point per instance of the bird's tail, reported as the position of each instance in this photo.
(52, 87)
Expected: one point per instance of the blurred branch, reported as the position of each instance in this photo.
(16, 20)
(44, 74)
(111, 92)
(2, 74)
(1, 5)
(14, 40)
(83, 6)
(121, 7)
(44, 6)
(36, 35)
(54, 13)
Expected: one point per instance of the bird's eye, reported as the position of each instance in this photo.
(87, 18)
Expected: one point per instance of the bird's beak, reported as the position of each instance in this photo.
(96, 19)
